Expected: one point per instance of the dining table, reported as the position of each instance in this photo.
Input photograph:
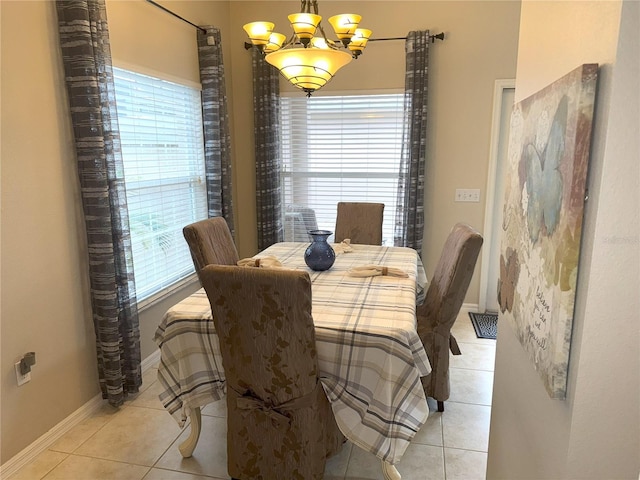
(370, 357)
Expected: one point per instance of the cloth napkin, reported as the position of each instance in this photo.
(268, 261)
(376, 270)
(343, 247)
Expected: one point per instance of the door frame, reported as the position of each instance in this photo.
(496, 120)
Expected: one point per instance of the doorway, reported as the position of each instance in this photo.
(503, 100)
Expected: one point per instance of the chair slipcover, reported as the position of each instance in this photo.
(359, 221)
(437, 314)
(298, 221)
(279, 422)
(210, 243)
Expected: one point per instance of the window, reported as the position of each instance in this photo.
(162, 149)
(339, 148)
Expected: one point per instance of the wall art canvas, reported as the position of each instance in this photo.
(545, 192)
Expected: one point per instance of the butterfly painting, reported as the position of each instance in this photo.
(545, 189)
(544, 181)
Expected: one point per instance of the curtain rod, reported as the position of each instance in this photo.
(176, 15)
(439, 36)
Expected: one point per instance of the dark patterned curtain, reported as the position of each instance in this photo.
(217, 141)
(266, 112)
(409, 223)
(84, 41)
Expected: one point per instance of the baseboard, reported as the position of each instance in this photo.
(151, 361)
(469, 307)
(29, 453)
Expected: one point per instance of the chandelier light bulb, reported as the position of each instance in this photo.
(275, 42)
(359, 41)
(259, 32)
(304, 25)
(345, 26)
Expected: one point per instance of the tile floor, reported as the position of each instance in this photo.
(140, 440)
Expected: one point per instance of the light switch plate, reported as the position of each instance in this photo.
(467, 195)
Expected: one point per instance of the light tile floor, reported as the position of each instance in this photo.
(140, 440)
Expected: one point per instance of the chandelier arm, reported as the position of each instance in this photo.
(290, 41)
(305, 6)
(330, 43)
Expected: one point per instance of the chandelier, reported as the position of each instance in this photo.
(306, 59)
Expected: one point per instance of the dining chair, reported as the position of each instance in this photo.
(359, 221)
(279, 421)
(210, 243)
(437, 314)
(298, 221)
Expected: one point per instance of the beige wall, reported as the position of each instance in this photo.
(44, 294)
(595, 432)
(45, 302)
(44, 298)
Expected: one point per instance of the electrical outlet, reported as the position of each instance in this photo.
(22, 379)
(467, 195)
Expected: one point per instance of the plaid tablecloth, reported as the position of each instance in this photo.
(369, 354)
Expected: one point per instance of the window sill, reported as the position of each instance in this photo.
(166, 292)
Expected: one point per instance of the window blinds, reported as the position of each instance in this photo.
(162, 148)
(339, 148)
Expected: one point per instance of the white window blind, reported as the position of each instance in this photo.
(162, 148)
(339, 148)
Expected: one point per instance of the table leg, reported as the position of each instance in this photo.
(188, 446)
(389, 472)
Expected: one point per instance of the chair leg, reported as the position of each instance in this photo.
(440, 406)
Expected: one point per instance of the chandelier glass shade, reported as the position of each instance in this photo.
(308, 68)
(309, 59)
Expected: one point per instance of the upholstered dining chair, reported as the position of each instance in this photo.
(359, 221)
(279, 421)
(210, 243)
(437, 314)
(298, 220)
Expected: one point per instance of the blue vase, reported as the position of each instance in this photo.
(319, 255)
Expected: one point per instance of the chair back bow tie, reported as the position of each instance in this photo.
(249, 403)
(278, 419)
